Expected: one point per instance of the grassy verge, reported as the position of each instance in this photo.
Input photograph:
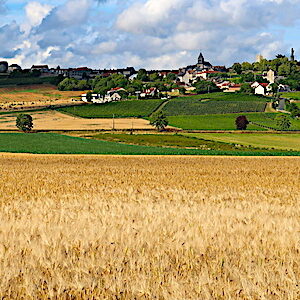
(49, 143)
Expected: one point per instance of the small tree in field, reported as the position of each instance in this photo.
(89, 96)
(283, 122)
(159, 120)
(24, 122)
(241, 123)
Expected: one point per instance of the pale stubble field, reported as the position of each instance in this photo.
(96, 227)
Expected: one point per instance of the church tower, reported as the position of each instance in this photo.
(201, 59)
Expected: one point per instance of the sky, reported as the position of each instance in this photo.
(152, 34)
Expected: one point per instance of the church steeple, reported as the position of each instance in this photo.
(201, 59)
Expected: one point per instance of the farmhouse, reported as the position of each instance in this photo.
(14, 67)
(149, 93)
(41, 68)
(262, 88)
(111, 96)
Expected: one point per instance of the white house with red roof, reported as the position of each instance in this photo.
(149, 93)
(261, 88)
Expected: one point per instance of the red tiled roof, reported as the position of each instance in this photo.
(82, 69)
(264, 84)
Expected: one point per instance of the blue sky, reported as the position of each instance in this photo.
(145, 33)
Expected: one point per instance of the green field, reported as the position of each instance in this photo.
(218, 105)
(268, 120)
(122, 109)
(227, 121)
(49, 143)
(277, 141)
(291, 95)
(210, 122)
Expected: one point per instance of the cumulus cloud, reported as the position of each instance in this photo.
(10, 39)
(149, 33)
(2, 7)
(36, 12)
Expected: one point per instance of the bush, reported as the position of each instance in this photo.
(241, 123)
(159, 120)
(283, 122)
(24, 122)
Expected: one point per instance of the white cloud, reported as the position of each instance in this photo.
(148, 33)
(36, 12)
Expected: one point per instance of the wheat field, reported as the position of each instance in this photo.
(96, 227)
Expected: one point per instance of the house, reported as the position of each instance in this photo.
(205, 74)
(149, 93)
(95, 98)
(262, 89)
(98, 99)
(255, 84)
(117, 89)
(232, 88)
(224, 85)
(41, 68)
(14, 67)
(114, 96)
(187, 77)
(283, 88)
(79, 73)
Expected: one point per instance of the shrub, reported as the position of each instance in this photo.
(241, 123)
(24, 122)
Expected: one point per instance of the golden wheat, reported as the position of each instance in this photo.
(75, 227)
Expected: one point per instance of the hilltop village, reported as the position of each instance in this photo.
(263, 77)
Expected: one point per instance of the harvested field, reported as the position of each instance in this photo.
(34, 95)
(53, 120)
(86, 227)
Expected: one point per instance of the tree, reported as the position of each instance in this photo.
(247, 66)
(171, 77)
(89, 96)
(247, 89)
(294, 110)
(283, 122)
(241, 123)
(203, 87)
(142, 75)
(159, 120)
(280, 56)
(274, 88)
(237, 67)
(24, 122)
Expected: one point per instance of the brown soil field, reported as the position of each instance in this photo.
(53, 120)
(107, 227)
(34, 95)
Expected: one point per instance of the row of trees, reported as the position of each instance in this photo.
(281, 64)
(102, 85)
